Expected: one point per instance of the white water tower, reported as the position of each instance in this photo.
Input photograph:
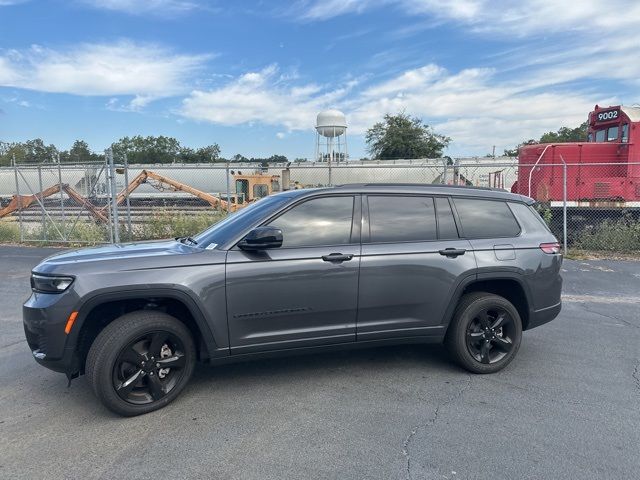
(331, 137)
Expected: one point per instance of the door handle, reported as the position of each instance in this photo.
(337, 257)
(452, 252)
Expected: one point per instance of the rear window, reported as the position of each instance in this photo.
(401, 219)
(529, 217)
(486, 218)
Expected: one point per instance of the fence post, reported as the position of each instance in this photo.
(114, 199)
(126, 182)
(44, 218)
(228, 174)
(564, 204)
(15, 172)
(444, 173)
(64, 224)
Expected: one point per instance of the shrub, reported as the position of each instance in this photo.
(163, 223)
(80, 233)
(9, 232)
(621, 235)
(171, 223)
(544, 210)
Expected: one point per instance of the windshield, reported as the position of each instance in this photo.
(237, 222)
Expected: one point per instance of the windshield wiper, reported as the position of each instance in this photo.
(186, 240)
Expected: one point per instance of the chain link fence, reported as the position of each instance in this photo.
(590, 206)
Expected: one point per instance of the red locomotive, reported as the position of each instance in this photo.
(602, 173)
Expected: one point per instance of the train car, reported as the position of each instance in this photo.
(602, 172)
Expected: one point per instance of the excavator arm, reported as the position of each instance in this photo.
(91, 208)
(20, 202)
(145, 175)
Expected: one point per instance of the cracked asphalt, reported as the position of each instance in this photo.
(567, 407)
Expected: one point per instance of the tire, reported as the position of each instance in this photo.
(471, 340)
(131, 381)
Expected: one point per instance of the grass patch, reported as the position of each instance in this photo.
(621, 235)
(162, 223)
(9, 232)
(172, 223)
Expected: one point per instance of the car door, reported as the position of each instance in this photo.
(304, 293)
(412, 262)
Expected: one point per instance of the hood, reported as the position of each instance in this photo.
(127, 256)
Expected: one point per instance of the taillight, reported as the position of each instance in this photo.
(550, 247)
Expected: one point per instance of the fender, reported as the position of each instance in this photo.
(484, 276)
(173, 291)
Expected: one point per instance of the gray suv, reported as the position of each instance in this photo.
(300, 271)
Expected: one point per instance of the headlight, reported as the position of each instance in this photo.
(53, 284)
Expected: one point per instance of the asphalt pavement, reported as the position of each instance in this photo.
(566, 408)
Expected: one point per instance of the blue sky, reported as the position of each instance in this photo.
(251, 75)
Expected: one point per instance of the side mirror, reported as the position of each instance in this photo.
(261, 238)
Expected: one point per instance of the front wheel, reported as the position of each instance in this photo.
(485, 333)
(140, 362)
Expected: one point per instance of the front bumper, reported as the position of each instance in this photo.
(44, 318)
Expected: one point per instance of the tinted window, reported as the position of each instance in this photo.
(321, 221)
(612, 134)
(600, 134)
(625, 132)
(486, 218)
(446, 224)
(234, 224)
(529, 218)
(402, 219)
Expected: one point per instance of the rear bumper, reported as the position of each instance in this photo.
(544, 315)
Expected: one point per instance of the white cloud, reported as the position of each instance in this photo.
(474, 106)
(137, 7)
(264, 96)
(520, 18)
(124, 68)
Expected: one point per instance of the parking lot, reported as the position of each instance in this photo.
(567, 407)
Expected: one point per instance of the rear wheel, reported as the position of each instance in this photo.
(485, 333)
(140, 362)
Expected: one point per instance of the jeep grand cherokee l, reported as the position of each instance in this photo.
(299, 271)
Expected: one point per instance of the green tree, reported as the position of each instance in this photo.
(563, 135)
(239, 158)
(80, 153)
(566, 134)
(31, 151)
(163, 150)
(402, 136)
(147, 149)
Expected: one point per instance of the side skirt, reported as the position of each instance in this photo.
(244, 357)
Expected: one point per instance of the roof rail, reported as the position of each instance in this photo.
(428, 185)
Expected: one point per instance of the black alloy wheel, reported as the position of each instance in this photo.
(141, 362)
(149, 367)
(485, 332)
(490, 335)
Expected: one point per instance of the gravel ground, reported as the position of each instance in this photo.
(567, 407)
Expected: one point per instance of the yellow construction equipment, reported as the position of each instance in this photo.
(250, 188)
